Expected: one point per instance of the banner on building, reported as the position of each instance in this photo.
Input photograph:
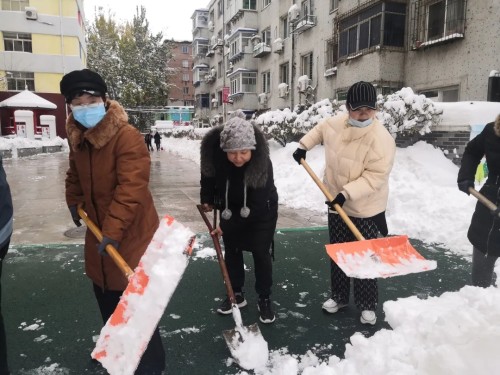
(225, 95)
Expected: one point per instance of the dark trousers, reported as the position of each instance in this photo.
(4, 368)
(158, 146)
(263, 270)
(153, 359)
(365, 290)
(482, 268)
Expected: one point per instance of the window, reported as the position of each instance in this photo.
(307, 65)
(380, 24)
(250, 4)
(17, 42)
(334, 4)
(185, 90)
(204, 101)
(15, 4)
(266, 82)
(185, 77)
(219, 69)
(185, 48)
(306, 8)
(238, 41)
(185, 63)
(244, 82)
(265, 3)
(200, 47)
(284, 73)
(445, 17)
(446, 94)
(220, 8)
(19, 81)
(284, 27)
(331, 54)
(266, 36)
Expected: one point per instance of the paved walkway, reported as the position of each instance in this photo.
(41, 215)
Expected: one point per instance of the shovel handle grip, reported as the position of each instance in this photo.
(110, 249)
(481, 198)
(337, 207)
(220, 258)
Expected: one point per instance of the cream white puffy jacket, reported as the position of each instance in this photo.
(358, 163)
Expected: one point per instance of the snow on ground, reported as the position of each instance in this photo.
(454, 333)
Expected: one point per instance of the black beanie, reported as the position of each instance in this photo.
(82, 80)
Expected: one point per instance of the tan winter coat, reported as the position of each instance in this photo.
(109, 168)
(358, 163)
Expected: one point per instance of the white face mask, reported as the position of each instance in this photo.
(360, 124)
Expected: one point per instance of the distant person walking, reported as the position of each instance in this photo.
(157, 138)
(148, 138)
(6, 219)
(108, 174)
(484, 229)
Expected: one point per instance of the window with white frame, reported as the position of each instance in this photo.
(238, 42)
(284, 31)
(219, 69)
(185, 77)
(444, 18)
(265, 3)
(220, 8)
(184, 48)
(284, 73)
(334, 4)
(185, 90)
(306, 65)
(15, 4)
(266, 36)
(250, 4)
(381, 24)
(200, 47)
(19, 42)
(185, 63)
(266, 82)
(18, 81)
(306, 8)
(199, 73)
(331, 54)
(244, 82)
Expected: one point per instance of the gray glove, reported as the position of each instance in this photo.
(74, 215)
(105, 242)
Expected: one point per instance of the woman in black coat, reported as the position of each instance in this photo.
(237, 178)
(484, 230)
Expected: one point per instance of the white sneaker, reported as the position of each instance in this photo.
(332, 307)
(368, 317)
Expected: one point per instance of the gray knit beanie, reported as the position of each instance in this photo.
(238, 134)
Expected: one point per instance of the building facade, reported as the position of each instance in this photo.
(181, 84)
(259, 54)
(41, 41)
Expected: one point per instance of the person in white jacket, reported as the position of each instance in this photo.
(359, 154)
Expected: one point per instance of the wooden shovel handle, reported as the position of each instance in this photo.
(110, 249)
(337, 207)
(218, 250)
(481, 198)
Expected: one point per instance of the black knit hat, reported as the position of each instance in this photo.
(361, 94)
(84, 80)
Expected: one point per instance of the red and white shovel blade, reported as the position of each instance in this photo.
(381, 257)
(127, 332)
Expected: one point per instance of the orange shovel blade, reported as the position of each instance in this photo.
(380, 257)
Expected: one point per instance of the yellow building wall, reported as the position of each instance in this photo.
(47, 82)
(69, 7)
(51, 45)
(2, 46)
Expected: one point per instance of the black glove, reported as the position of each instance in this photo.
(299, 154)
(465, 185)
(106, 241)
(496, 213)
(74, 215)
(339, 199)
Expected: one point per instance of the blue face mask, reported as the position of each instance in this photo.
(360, 124)
(89, 115)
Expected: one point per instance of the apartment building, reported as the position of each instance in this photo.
(181, 89)
(41, 41)
(259, 54)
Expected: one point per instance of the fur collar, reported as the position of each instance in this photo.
(99, 136)
(496, 126)
(257, 167)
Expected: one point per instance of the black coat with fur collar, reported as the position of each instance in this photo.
(257, 174)
(484, 230)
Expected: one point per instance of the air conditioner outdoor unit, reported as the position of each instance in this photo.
(303, 83)
(211, 26)
(278, 45)
(30, 13)
(282, 90)
(293, 13)
(215, 103)
(263, 98)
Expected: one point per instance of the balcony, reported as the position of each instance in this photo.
(305, 23)
(261, 50)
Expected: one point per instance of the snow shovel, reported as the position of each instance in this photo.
(373, 258)
(242, 340)
(128, 331)
(481, 198)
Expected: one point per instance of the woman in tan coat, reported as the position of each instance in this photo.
(108, 174)
(359, 153)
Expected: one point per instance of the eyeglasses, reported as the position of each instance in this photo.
(85, 105)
